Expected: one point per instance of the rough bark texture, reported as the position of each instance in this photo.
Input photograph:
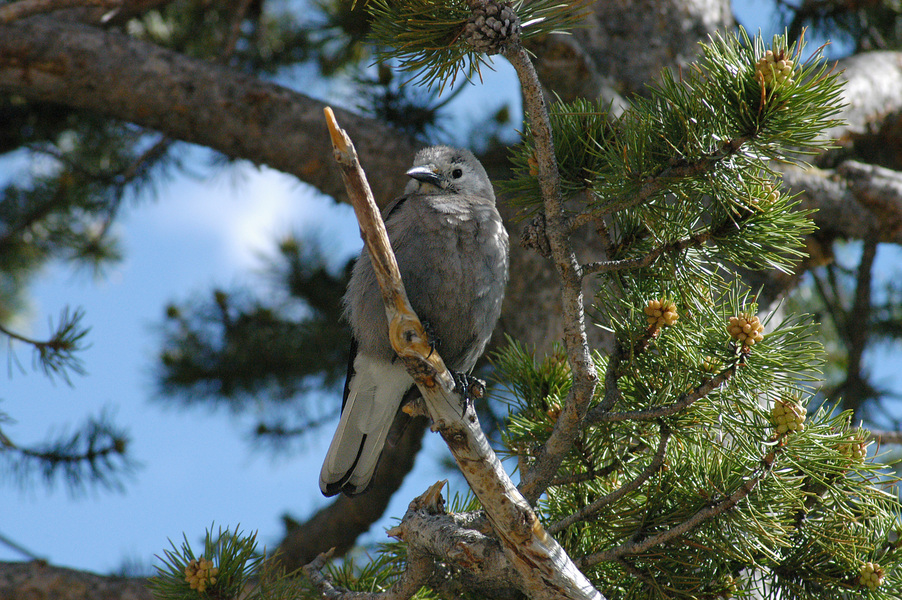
(872, 91)
(39, 581)
(631, 41)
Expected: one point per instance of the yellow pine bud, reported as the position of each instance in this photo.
(660, 313)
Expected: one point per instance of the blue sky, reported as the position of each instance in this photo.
(197, 468)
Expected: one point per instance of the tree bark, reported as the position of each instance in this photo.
(631, 41)
(37, 580)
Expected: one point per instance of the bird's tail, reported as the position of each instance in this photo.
(374, 393)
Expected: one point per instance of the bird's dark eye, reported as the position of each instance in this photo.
(457, 173)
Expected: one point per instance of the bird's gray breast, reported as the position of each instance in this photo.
(453, 260)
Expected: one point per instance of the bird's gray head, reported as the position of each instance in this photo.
(446, 170)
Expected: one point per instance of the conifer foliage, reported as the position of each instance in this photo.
(703, 465)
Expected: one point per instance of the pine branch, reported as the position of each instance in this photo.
(705, 514)
(653, 467)
(57, 355)
(94, 455)
(607, 266)
(596, 415)
(585, 379)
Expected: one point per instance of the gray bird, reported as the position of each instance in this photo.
(451, 248)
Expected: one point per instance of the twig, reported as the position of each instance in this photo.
(886, 437)
(656, 183)
(314, 572)
(409, 583)
(602, 471)
(234, 30)
(606, 266)
(38, 345)
(709, 512)
(656, 462)
(25, 8)
(545, 569)
(581, 219)
(566, 428)
(684, 401)
(612, 392)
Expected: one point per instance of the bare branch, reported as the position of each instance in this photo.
(475, 558)
(37, 580)
(872, 90)
(189, 99)
(886, 437)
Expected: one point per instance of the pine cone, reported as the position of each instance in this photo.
(199, 573)
(787, 416)
(492, 27)
(856, 449)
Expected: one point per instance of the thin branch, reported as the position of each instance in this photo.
(612, 393)
(653, 467)
(58, 353)
(5, 541)
(683, 402)
(25, 8)
(657, 183)
(579, 220)
(314, 572)
(886, 437)
(567, 427)
(228, 48)
(603, 471)
(705, 514)
(606, 266)
(855, 389)
(414, 577)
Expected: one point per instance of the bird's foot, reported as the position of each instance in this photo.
(434, 342)
(470, 388)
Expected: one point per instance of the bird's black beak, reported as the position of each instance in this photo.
(426, 175)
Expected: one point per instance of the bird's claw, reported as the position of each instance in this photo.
(470, 388)
(431, 337)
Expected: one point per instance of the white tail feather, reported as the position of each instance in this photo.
(375, 393)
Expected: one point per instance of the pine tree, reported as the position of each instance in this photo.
(683, 463)
(703, 461)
